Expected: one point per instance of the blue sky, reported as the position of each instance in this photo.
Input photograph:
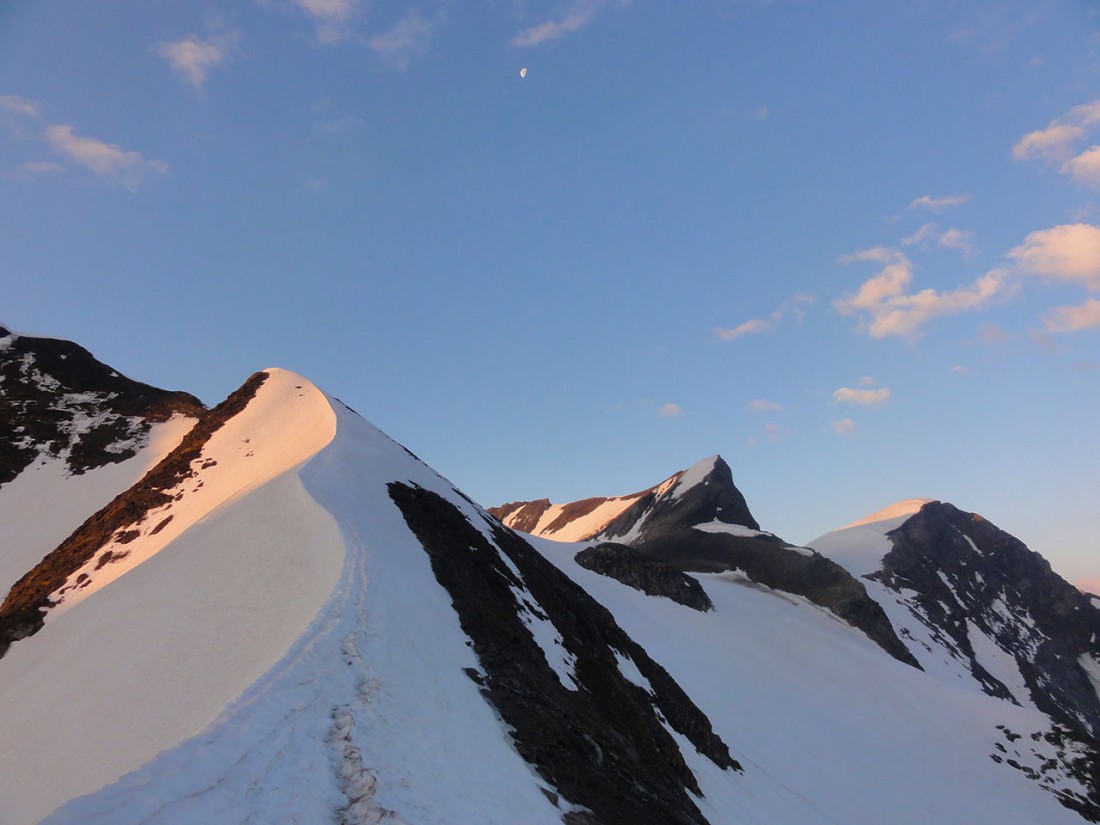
(852, 247)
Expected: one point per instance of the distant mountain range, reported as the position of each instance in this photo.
(268, 611)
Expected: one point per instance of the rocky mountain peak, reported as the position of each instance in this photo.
(57, 399)
(703, 493)
(984, 590)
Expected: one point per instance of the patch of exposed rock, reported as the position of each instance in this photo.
(635, 569)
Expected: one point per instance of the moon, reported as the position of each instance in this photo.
(523, 72)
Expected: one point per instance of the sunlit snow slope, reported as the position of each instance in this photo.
(152, 651)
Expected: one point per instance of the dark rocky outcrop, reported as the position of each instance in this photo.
(56, 398)
(603, 745)
(635, 569)
(24, 609)
(775, 564)
(965, 569)
(1060, 754)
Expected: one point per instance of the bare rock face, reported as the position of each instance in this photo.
(56, 399)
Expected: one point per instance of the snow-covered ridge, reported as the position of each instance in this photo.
(860, 545)
(288, 421)
(207, 605)
(892, 512)
(584, 526)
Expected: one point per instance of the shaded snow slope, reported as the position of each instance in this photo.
(828, 729)
(153, 651)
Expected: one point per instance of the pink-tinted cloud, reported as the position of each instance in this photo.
(193, 58)
(939, 204)
(888, 308)
(1062, 253)
(1054, 142)
(404, 41)
(576, 17)
(106, 160)
(762, 405)
(865, 398)
(844, 426)
(793, 306)
(1073, 318)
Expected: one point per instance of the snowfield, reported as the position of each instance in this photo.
(283, 652)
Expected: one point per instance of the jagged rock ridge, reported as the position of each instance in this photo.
(697, 521)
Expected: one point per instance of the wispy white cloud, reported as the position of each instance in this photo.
(952, 238)
(1070, 252)
(106, 160)
(20, 106)
(338, 11)
(670, 410)
(844, 426)
(888, 308)
(402, 42)
(960, 239)
(793, 306)
(578, 15)
(747, 328)
(939, 204)
(865, 398)
(763, 405)
(926, 233)
(959, 369)
(331, 17)
(1073, 318)
(192, 58)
